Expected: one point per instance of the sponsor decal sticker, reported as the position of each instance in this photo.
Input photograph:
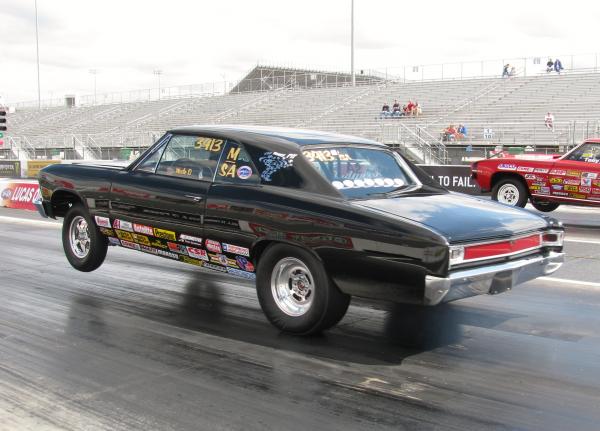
(177, 248)
(141, 239)
(586, 181)
(530, 177)
(7, 194)
(555, 180)
(573, 173)
(107, 232)
(102, 221)
(561, 194)
(558, 172)
(214, 267)
(545, 190)
(124, 235)
(235, 249)
(534, 187)
(123, 225)
(507, 167)
(158, 243)
(525, 169)
(571, 188)
(595, 191)
(189, 239)
(577, 195)
(244, 172)
(165, 234)
(197, 253)
(244, 263)
(240, 273)
(213, 246)
(187, 259)
(140, 228)
(130, 244)
(557, 187)
(541, 170)
(168, 254)
(591, 175)
(585, 189)
(571, 182)
(147, 249)
(113, 241)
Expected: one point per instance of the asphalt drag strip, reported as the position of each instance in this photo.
(147, 343)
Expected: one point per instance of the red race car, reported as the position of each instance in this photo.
(573, 178)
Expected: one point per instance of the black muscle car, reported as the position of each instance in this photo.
(313, 217)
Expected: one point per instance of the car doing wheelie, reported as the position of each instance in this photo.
(314, 218)
(571, 179)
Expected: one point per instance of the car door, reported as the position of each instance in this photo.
(576, 177)
(160, 202)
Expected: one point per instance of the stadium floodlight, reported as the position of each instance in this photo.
(94, 72)
(158, 72)
(2, 122)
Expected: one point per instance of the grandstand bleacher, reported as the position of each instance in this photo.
(512, 108)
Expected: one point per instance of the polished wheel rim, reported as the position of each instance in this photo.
(292, 286)
(79, 237)
(508, 194)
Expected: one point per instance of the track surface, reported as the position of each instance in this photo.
(150, 344)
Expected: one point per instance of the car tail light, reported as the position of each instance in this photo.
(457, 255)
(553, 238)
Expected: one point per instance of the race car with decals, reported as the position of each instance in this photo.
(312, 218)
(571, 179)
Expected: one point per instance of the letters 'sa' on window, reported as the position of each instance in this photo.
(236, 166)
(194, 157)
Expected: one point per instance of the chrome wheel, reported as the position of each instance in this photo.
(292, 286)
(79, 237)
(508, 194)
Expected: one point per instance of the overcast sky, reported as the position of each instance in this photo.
(200, 41)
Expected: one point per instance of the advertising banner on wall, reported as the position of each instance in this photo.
(34, 166)
(19, 194)
(10, 169)
(456, 178)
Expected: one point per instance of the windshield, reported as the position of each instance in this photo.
(360, 172)
(588, 152)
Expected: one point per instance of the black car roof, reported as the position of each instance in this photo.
(299, 137)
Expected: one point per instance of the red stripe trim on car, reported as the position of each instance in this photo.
(502, 248)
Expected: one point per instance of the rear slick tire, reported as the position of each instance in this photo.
(296, 293)
(84, 245)
(544, 206)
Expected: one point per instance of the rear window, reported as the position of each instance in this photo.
(360, 172)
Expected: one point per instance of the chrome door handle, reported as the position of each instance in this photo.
(195, 198)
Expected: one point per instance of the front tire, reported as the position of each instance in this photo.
(544, 206)
(510, 191)
(295, 292)
(84, 245)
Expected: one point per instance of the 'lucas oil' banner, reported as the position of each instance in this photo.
(19, 194)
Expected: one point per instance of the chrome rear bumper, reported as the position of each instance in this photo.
(490, 279)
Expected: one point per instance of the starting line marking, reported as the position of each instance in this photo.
(582, 241)
(18, 220)
(585, 284)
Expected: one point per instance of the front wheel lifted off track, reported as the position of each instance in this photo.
(84, 245)
(296, 293)
(510, 191)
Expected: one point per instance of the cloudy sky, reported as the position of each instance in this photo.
(202, 41)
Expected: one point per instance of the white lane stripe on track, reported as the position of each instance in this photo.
(582, 241)
(17, 220)
(583, 284)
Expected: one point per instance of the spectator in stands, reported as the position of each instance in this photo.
(410, 107)
(505, 72)
(404, 110)
(396, 109)
(417, 109)
(549, 121)
(461, 131)
(449, 133)
(558, 66)
(549, 65)
(385, 110)
(512, 71)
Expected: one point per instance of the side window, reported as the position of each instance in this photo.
(149, 164)
(278, 169)
(193, 157)
(236, 166)
(589, 153)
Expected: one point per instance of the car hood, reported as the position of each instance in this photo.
(460, 218)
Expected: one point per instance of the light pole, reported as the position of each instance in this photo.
(158, 72)
(37, 53)
(224, 76)
(94, 72)
(352, 43)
